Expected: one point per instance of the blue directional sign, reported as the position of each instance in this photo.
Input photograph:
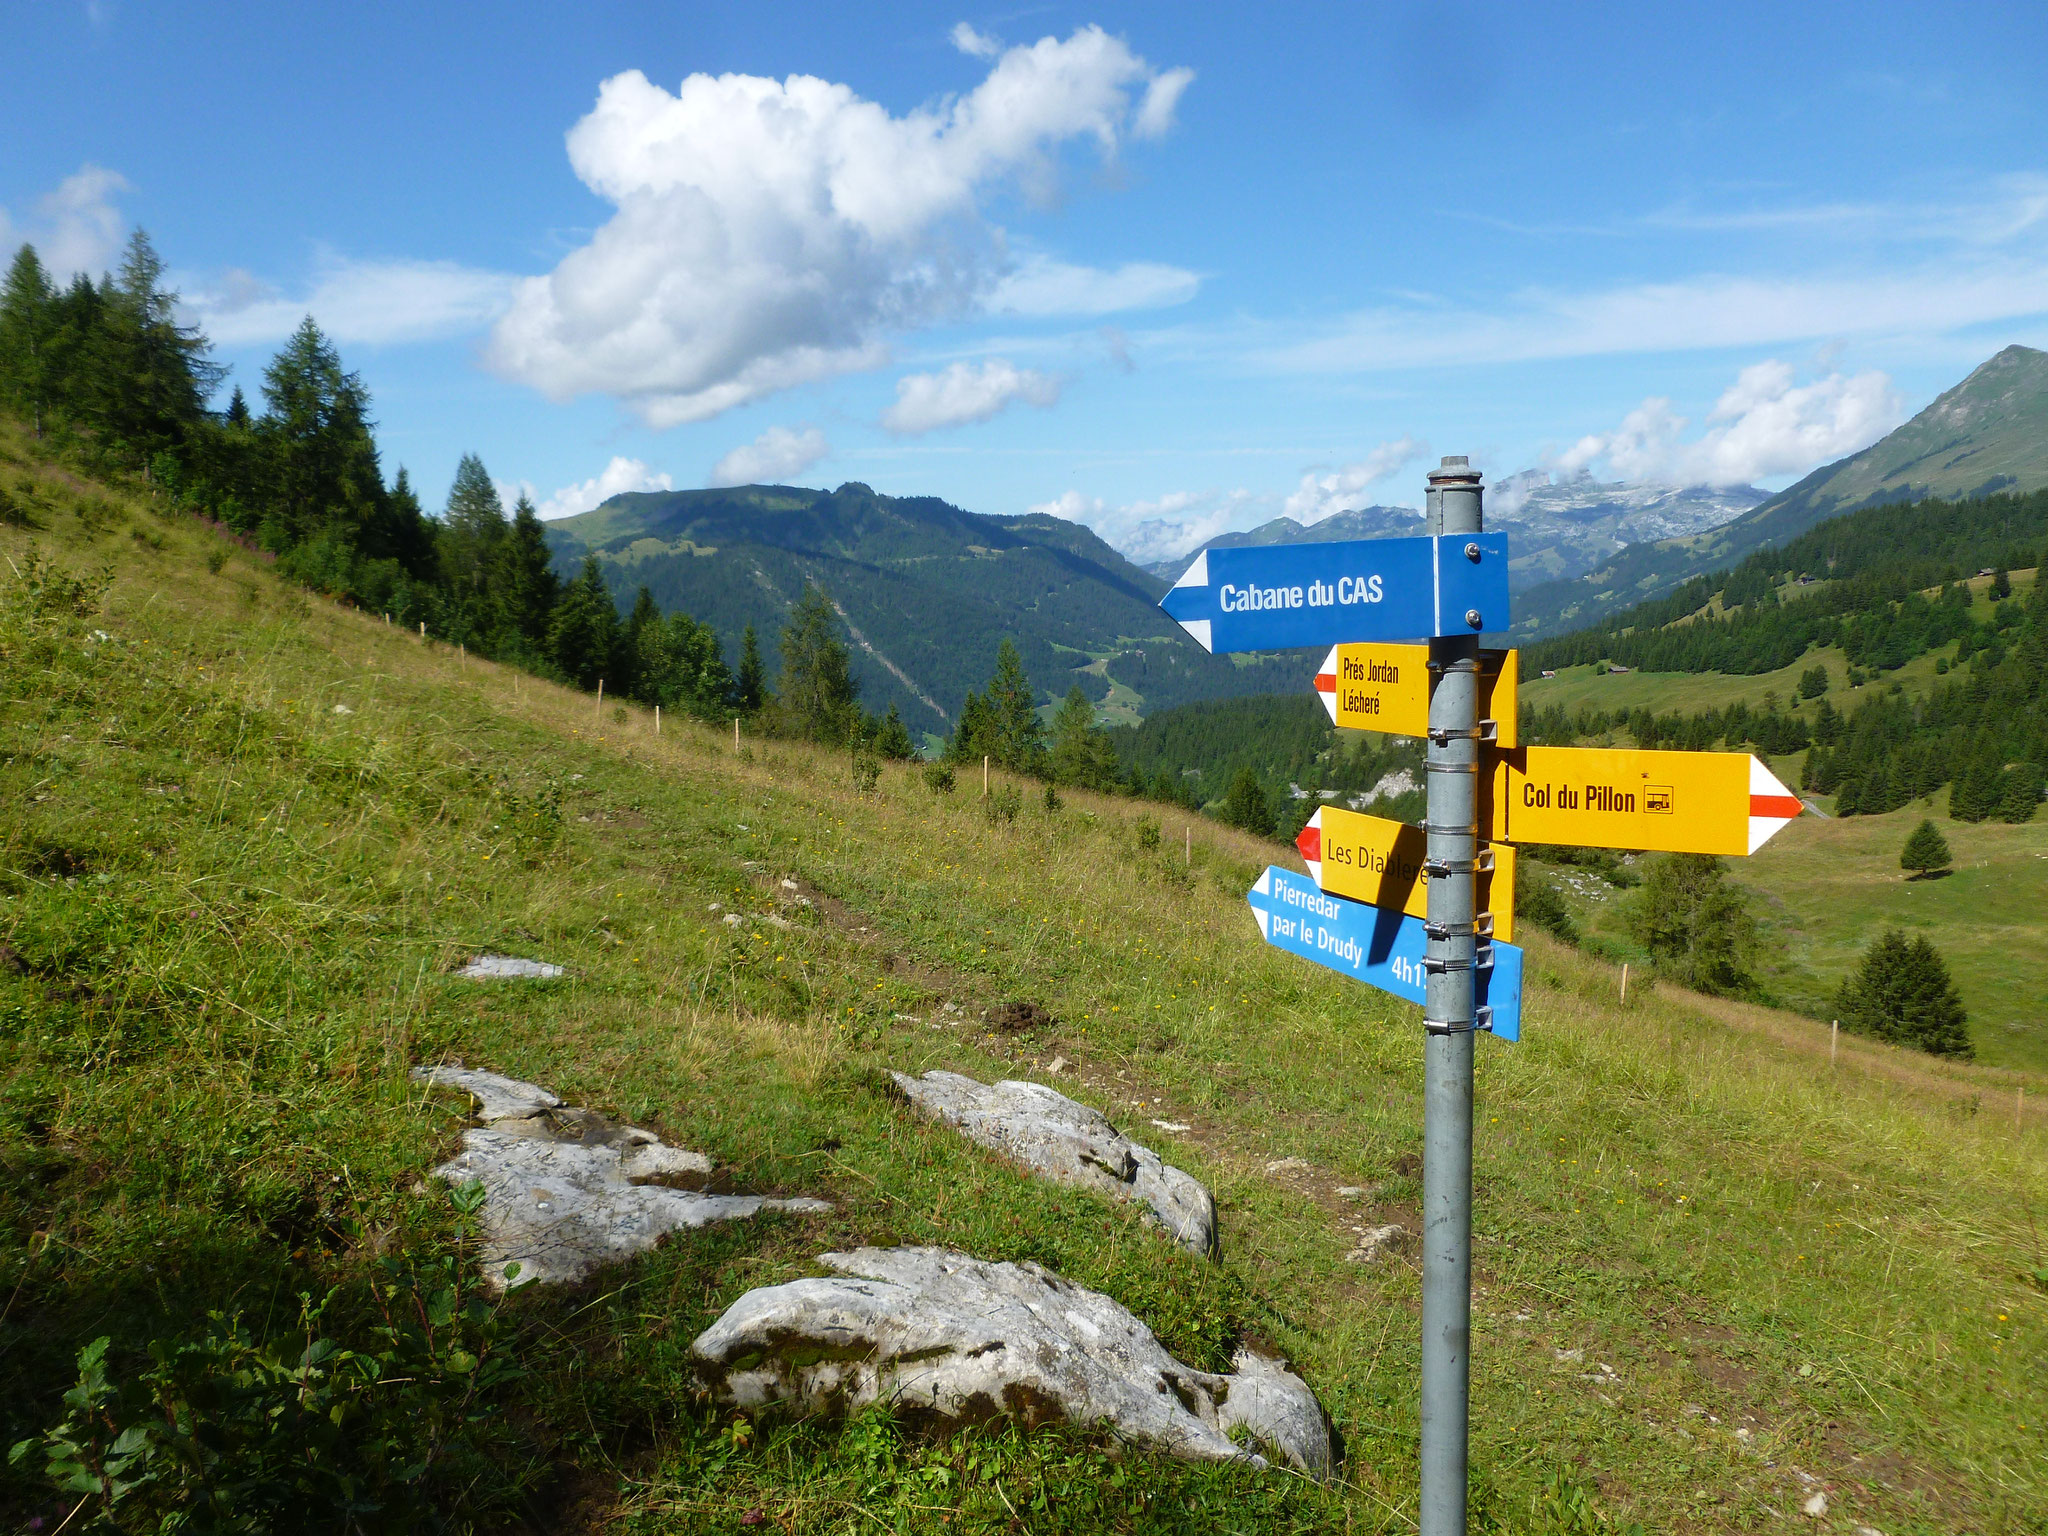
(1380, 946)
(1271, 597)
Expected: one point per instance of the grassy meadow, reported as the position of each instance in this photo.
(253, 833)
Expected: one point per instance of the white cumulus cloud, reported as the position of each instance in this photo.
(76, 228)
(964, 393)
(1321, 495)
(1765, 424)
(616, 478)
(772, 232)
(375, 303)
(773, 457)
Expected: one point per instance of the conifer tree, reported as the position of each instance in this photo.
(1694, 924)
(1925, 851)
(1813, 682)
(974, 734)
(1017, 739)
(2020, 796)
(816, 693)
(237, 414)
(1245, 807)
(321, 459)
(1902, 992)
(584, 629)
(1081, 751)
(27, 315)
(523, 574)
(155, 375)
(892, 738)
(752, 682)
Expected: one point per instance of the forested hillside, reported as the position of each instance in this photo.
(1987, 435)
(1881, 587)
(926, 590)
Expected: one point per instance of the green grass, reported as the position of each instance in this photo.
(232, 910)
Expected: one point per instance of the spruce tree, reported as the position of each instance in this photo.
(155, 374)
(1018, 737)
(584, 629)
(751, 686)
(1902, 992)
(974, 735)
(1925, 851)
(816, 692)
(321, 458)
(523, 574)
(1245, 807)
(1813, 682)
(892, 738)
(2020, 795)
(237, 414)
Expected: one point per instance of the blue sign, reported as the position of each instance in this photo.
(1380, 946)
(1272, 597)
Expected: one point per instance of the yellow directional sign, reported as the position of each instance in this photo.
(1387, 688)
(1379, 862)
(1669, 802)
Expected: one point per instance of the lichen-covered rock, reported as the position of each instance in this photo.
(940, 1335)
(566, 1190)
(1050, 1133)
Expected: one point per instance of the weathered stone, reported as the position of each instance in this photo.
(566, 1190)
(1373, 1244)
(1051, 1134)
(941, 1335)
(497, 1098)
(560, 1210)
(505, 967)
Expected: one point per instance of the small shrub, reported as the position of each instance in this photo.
(1148, 836)
(1052, 799)
(1540, 903)
(1003, 804)
(938, 778)
(619, 715)
(216, 558)
(867, 772)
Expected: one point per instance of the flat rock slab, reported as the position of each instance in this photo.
(566, 1190)
(1051, 1134)
(506, 967)
(942, 1336)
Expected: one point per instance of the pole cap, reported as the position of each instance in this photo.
(1456, 469)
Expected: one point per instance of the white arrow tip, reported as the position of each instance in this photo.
(1199, 628)
(1196, 575)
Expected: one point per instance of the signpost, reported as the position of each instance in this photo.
(1379, 862)
(1271, 597)
(1379, 946)
(1388, 687)
(1662, 802)
(1426, 912)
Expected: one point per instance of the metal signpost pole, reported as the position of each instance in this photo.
(1452, 776)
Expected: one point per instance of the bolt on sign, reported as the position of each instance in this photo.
(1661, 802)
(1388, 688)
(1380, 862)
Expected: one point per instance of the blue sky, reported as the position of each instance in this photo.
(1166, 269)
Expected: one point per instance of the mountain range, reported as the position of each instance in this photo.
(927, 592)
(1987, 434)
(1558, 531)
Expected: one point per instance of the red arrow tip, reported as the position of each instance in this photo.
(1784, 806)
(1311, 844)
(1326, 682)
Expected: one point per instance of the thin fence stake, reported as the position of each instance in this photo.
(735, 734)
(657, 719)
(600, 698)
(423, 629)
(1624, 981)
(1834, 1041)
(984, 775)
(1188, 846)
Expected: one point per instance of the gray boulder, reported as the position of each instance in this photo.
(567, 1190)
(506, 967)
(939, 1335)
(1048, 1132)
